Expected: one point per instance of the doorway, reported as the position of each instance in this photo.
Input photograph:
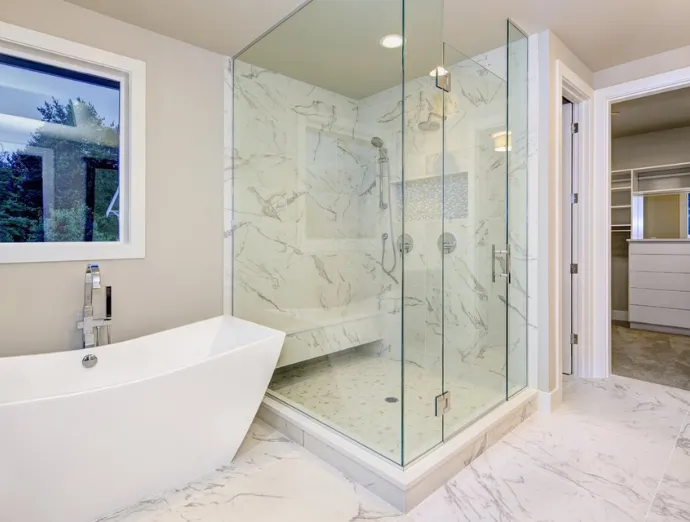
(650, 248)
(658, 285)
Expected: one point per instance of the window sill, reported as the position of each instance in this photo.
(59, 252)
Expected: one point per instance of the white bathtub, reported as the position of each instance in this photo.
(77, 444)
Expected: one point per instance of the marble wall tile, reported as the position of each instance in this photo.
(306, 256)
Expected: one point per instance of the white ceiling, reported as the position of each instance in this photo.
(602, 33)
(669, 110)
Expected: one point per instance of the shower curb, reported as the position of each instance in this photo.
(402, 488)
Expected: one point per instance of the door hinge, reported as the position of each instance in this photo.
(575, 128)
(443, 80)
(574, 338)
(574, 198)
(573, 268)
(442, 404)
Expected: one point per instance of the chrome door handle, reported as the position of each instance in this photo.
(507, 255)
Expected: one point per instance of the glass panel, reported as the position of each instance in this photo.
(59, 154)
(475, 219)
(422, 194)
(317, 210)
(517, 208)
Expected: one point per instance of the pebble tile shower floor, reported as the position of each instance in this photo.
(356, 394)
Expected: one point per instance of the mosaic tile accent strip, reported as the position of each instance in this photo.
(424, 198)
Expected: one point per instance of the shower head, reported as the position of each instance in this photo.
(430, 125)
(377, 142)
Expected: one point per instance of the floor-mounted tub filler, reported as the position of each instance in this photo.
(85, 433)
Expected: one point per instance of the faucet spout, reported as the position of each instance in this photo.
(92, 280)
(90, 325)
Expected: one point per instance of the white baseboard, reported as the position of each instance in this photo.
(550, 401)
(619, 315)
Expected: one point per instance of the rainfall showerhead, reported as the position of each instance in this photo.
(377, 142)
(430, 124)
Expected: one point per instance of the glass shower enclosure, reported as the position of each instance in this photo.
(379, 218)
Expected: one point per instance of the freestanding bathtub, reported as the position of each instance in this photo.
(77, 444)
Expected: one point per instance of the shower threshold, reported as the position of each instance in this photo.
(402, 487)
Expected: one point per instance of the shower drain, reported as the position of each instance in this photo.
(392, 400)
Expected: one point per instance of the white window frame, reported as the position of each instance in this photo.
(131, 73)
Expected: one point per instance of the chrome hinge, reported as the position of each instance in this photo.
(442, 404)
(575, 128)
(443, 80)
(574, 198)
(574, 338)
(573, 268)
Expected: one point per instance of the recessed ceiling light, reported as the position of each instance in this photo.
(615, 113)
(440, 71)
(391, 41)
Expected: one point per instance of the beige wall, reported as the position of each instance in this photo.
(649, 66)
(180, 280)
(653, 148)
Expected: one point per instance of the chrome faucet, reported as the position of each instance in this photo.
(92, 281)
(89, 325)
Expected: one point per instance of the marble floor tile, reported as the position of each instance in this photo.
(618, 450)
(651, 356)
(672, 501)
(600, 457)
(270, 480)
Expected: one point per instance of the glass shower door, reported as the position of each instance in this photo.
(474, 241)
(421, 195)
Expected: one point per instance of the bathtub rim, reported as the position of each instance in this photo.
(96, 350)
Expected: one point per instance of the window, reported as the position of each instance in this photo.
(71, 151)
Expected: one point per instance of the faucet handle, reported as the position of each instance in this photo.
(95, 273)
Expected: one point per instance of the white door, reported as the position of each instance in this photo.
(570, 232)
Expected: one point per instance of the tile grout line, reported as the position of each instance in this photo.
(668, 463)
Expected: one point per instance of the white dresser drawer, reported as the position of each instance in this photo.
(659, 263)
(660, 281)
(660, 298)
(660, 248)
(659, 316)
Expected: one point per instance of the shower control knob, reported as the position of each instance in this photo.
(447, 243)
(405, 244)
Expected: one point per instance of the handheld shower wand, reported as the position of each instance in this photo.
(385, 237)
(383, 159)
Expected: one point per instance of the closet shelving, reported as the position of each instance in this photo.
(621, 201)
(630, 185)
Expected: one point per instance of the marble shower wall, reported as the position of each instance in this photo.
(474, 206)
(307, 243)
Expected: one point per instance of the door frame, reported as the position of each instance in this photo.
(569, 85)
(570, 175)
(597, 358)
